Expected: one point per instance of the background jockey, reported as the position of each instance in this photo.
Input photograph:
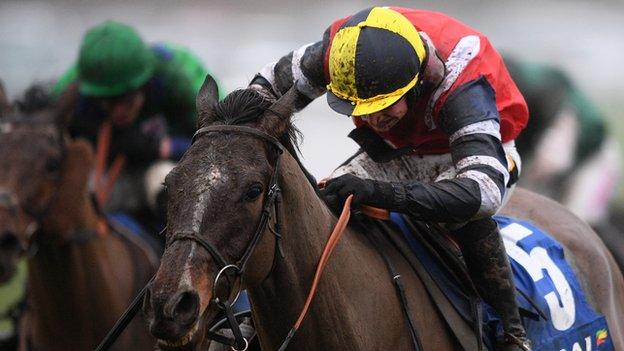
(433, 100)
(148, 95)
(568, 151)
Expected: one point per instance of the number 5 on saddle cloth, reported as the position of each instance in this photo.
(557, 316)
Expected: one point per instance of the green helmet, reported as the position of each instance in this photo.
(113, 60)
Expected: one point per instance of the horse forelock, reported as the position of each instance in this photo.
(247, 107)
(240, 107)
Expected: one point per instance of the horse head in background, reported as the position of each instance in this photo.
(31, 145)
(81, 272)
(31, 170)
(244, 214)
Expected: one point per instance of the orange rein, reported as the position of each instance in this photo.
(334, 237)
(104, 185)
(103, 189)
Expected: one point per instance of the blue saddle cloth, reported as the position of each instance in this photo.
(547, 284)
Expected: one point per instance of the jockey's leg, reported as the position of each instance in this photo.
(488, 265)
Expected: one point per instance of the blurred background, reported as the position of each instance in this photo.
(40, 39)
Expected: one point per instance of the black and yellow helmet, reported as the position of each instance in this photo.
(374, 59)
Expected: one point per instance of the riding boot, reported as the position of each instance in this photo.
(489, 268)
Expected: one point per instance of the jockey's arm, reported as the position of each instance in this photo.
(471, 119)
(303, 67)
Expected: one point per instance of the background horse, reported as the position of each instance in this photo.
(4, 100)
(81, 273)
(216, 197)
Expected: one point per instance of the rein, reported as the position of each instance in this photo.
(103, 188)
(337, 232)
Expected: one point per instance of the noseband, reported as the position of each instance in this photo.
(272, 200)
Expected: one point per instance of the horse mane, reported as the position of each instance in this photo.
(35, 99)
(34, 106)
(246, 106)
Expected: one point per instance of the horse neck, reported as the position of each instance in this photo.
(278, 300)
(71, 213)
(69, 291)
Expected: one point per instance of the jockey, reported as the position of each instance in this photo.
(435, 105)
(146, 92)
(568, 152)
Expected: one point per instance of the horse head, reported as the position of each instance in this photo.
(220, 198)
(37, 166)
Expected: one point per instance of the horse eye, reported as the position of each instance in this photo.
(253, 192)
(52, 165)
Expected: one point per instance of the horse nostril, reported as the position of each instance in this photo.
(186, 309)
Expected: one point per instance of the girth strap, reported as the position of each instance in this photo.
(462, 330)
(381, 245)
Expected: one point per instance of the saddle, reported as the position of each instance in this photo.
(540, 270)
(438, 262)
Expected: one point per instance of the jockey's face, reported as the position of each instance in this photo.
(384, 120)
(123, 110)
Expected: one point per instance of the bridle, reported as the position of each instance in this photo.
(272, 202)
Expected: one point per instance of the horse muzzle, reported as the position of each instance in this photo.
(173, 319)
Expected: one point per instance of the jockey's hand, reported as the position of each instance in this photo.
(365, 192)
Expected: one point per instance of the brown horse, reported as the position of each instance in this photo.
(81, 273)
(217, 194)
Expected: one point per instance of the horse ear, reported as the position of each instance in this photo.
(206, 98)
(276, 118)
